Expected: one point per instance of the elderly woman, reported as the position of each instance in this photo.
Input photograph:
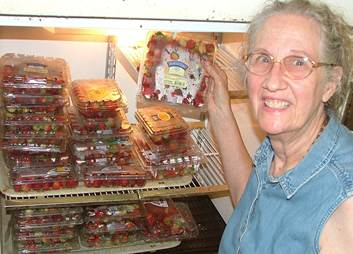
(295, 196)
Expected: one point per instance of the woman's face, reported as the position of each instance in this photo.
(280, 104)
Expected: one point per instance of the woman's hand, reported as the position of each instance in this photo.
(217, 89)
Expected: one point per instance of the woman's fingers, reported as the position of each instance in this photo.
(216, 73)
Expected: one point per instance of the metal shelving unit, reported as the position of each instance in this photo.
(209, 180)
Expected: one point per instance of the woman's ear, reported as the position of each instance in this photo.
(333, 82)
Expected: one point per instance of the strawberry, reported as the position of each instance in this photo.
(151, 220)
(210, 48)
(71, 183)
(190, 44)
(57, 185)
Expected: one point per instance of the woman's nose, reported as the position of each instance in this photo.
(274, 80)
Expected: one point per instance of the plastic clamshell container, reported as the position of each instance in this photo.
(123, 238)
(170, 168)
(43, 179)
(172, 71)
(162, 123)
(25, 99)
(166, 221)
(53, 231)
(53, 247)
(34, 144)
(81, 126)
(97, 97)
(45, 240)
(113, 144)
(34, 75)
(114, 176)
(40, 129)
(114, 226)
(19, 159)
(46, 217)
(34, 109)
(102, 158)
(112, 212)
(9, 118)
(154, 152)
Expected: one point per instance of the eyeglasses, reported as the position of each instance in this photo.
(295, 67)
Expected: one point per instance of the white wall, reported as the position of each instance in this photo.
(86, 59)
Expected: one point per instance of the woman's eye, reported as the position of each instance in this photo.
(263, 59)
(298, 61)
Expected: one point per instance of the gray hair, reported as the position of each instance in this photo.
(337, 39)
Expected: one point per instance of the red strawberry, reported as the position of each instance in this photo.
(190, 44)
(210, 48)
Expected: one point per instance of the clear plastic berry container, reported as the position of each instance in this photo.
(112, 144)
(114, 226)
(169, 220)
(33, 144)
(162, 123)
(172, 71)
(25, 99)
(114, 176)
(102, 158)
(31, 118)
(52, 246)
(157, 153)
(47, 217)
(121, 238)
(112, 212)
(177, 166)
(20, 159)
(82, 127)
(39, 129)
(53, 231)
(34, 109)
(33, 75)
(43, 179)
(97, 98)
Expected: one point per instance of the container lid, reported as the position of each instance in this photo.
(25, 71)
(161, 120)
(114, 172)
(113, 212)
(97, 94)
(112, 227)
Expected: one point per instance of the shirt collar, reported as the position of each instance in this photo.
(316, 159)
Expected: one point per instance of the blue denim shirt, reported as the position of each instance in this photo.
(286, 214)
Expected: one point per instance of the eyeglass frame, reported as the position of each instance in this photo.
(313, 63)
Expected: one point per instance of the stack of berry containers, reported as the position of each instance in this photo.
(100, 133)
(114, 225)
(34, 122)
(163, 143)
(172, 71)
(46, 230)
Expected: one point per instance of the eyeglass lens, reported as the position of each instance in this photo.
(296, 67)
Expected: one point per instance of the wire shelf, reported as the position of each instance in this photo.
(208, 180)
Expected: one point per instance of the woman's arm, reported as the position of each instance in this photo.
(337, 235)
(235, 158)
